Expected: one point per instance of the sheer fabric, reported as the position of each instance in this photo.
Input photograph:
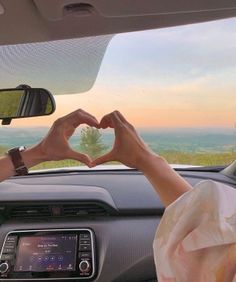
(196, 238)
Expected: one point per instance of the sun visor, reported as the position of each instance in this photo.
(63, 67)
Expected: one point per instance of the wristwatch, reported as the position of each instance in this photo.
(16, 158)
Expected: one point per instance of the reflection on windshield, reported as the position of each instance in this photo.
(176, 85)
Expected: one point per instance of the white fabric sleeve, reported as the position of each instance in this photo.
(196, 238)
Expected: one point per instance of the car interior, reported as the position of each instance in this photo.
(99, 223)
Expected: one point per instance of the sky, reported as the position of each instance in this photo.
(173, 77)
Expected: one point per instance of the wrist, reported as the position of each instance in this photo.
(33, 156)
(148, 160)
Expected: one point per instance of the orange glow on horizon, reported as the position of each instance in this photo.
(158, 110)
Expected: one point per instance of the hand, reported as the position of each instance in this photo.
(128, 148)
(55, 145)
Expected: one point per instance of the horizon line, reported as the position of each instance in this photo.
(137, 127)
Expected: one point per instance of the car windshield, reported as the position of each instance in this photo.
(176, 85)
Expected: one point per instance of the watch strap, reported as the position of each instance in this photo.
(18, 163)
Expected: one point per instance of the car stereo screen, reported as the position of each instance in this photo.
(47, 253)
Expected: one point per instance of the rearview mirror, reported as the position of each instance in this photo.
(24, 101)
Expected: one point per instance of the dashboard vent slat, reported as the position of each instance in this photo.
(30, 211)
(81, 209)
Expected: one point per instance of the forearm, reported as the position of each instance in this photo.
(31, 157)
(168, 184)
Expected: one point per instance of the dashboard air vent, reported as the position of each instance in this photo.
(30, 211)
(79, 209)
(83, 209)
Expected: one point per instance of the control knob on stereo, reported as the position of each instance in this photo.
(4, 267)
(84, 266)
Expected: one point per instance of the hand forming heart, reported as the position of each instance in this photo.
(128, 147)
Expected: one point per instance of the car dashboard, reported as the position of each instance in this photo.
(82, 225)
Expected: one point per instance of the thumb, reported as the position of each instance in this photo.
(80, 157)
(103, 159)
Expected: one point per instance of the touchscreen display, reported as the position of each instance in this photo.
(47, 253)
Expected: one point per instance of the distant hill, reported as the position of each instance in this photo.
(184, 140)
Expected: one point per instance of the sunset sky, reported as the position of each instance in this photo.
(174, 77)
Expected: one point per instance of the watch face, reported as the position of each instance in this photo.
(18, 149)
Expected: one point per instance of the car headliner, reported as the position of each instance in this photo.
(41, 20)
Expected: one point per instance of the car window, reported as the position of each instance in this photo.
(176, 85)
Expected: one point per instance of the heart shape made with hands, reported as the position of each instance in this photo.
(128, 147)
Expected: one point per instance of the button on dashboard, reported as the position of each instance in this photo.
(4, 267)
(84, 266)
(11, 239)
(10, 245)
(8, 250)
(84, 236)
(7, 256)
(85, 242)
(85, 255)
(85, 248)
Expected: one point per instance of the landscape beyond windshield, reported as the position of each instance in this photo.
(176, 85)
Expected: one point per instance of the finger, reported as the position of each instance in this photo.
(80, 157)
(111, 120)
(117, 123)
(121, 117)
(124, 120)
(106, 122)
(79, 117)
(103, 159)
(90, 119)
(115, 116)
